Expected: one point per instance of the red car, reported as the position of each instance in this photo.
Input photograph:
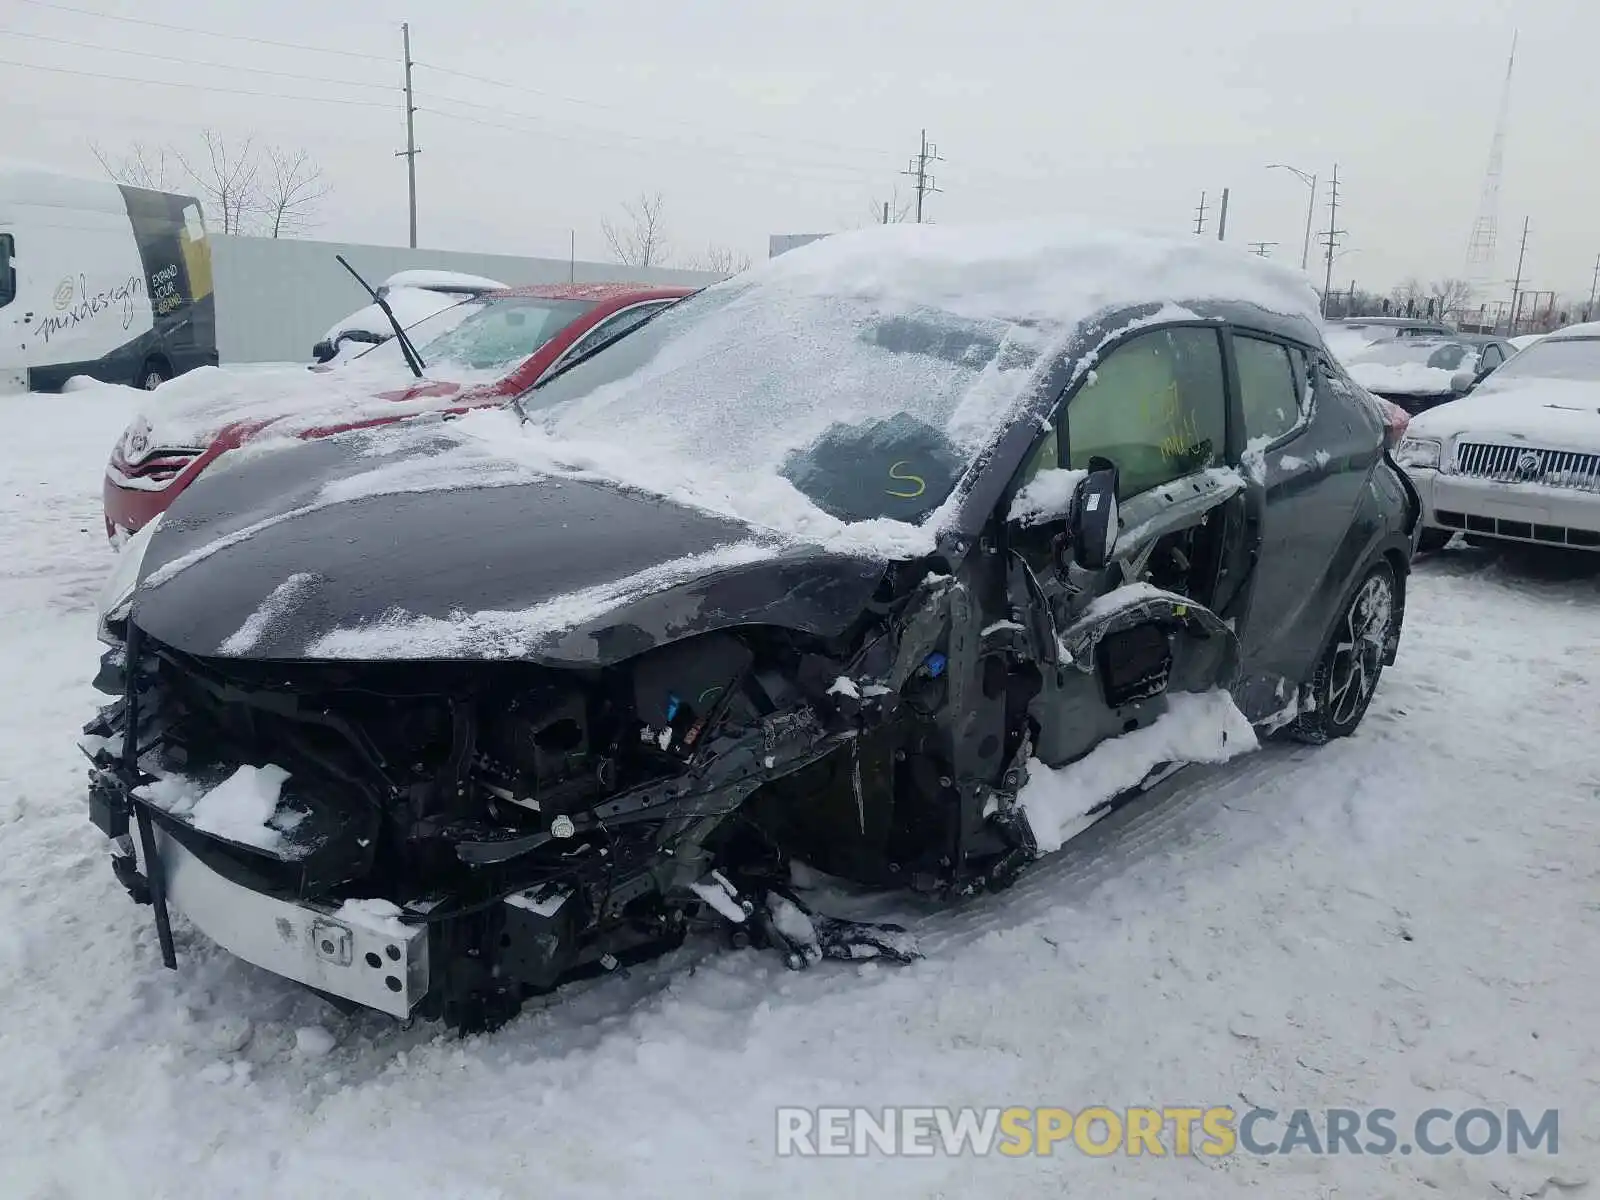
(478, 353)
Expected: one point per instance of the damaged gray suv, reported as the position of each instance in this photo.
(813, 567)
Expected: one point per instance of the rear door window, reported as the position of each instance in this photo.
(1268, 391)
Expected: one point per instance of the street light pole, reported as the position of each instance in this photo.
(1310, 180)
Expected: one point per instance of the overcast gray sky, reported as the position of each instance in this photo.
(754, 117)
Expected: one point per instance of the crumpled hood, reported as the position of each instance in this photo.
(356, 548)
(1548, 412)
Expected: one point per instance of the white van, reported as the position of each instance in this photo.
(100, 279)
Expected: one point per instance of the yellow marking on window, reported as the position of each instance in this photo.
(894, 473)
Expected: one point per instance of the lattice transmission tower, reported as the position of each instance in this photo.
(1480, 272)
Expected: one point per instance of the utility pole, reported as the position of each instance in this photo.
(410, 152)
(1594, 288)
(1200, 216)
(919, 173)
(1311, 206)
(1332, 236)
(1262, 249)
(1222, 218)
(1516, 284)
(885, 212)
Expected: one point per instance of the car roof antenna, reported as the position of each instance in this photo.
(413, 359)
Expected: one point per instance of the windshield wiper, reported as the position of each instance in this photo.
(590, 353)
(413, 359)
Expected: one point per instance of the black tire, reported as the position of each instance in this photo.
(1347, 674)
(1434, 540)
(152, 375)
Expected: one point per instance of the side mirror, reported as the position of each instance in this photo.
(1464, 380)
(1095, 520)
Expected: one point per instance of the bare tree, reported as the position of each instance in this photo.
(228, 180)
(1450, 295)
(245, 189)
(641, 239)
(141, 167)
(892, 211)
(719, 260)
(290, 190)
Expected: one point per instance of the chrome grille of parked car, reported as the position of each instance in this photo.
(1529, 464)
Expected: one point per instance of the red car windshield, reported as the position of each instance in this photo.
(496, 335)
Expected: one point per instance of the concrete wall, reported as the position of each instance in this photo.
(277, 296)
(782, 243)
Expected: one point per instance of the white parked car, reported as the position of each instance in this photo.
(412, 296)
(1519, 458)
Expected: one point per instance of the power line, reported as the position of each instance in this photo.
(468, 75)
(589, 139)
(592, 131)
(630, 110)
(194, 62)
(232, 37)
(200, 87)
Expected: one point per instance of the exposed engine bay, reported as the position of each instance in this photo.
(448, 837)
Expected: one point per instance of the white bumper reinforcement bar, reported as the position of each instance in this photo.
(381, 964)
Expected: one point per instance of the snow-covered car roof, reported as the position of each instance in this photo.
(1584, 330)
(443, 281)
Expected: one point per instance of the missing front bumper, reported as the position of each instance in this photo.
(373, 961)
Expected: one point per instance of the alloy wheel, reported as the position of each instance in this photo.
(1358, 656)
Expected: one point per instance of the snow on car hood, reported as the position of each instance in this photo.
(191, 410)
(1401, 379)
(363, 548)
(1545, 412)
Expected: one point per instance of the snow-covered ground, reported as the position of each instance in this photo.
(1408, 919)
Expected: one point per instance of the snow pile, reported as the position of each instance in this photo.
(238, 808)
(510, 635)
(1198, 727)
(1047, 496)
